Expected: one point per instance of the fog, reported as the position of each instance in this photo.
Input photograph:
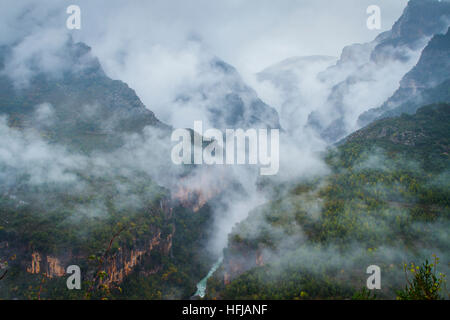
(164, 50)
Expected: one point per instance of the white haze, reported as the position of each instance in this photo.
(161, 49)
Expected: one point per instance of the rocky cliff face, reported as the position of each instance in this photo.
(117, 267)
(239, 259)
(416, 87)
(49, 265)
(225, 100)
(124, 262)
(420, 19)
(195, 190)
(376, 66)
(143, 251)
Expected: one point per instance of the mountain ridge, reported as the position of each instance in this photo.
(421, 84)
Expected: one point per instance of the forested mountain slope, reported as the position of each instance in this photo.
(386, 202)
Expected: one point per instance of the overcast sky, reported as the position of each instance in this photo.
(250, 34)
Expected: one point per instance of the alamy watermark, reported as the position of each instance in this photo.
(74, 281)
(74, 19)
(240, 147)
(374, 280)
(374, 20)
